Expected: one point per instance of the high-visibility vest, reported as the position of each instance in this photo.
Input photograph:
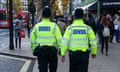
(77, 37)
(45, 33)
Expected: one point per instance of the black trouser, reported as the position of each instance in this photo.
(16, 42)
(100, 37)
(111, 35)
(104, 42)
(79, 61)
(47, 58)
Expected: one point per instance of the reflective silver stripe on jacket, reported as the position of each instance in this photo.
(78, 27)
(65, 38)
(45, 37)
(64, 43)
(33, 41)
(93, 40)
(79, 38)
(93, 45)
(78, 44)
(46, 43)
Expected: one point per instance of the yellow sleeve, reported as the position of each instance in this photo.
(92, 41)
(58, 36)
(33, 38)
(65, 41)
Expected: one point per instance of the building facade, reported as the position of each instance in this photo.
(2, 4)
(24, 5)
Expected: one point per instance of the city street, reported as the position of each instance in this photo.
(17, 60)
(4, 38)
(102, 63)
(103, 16)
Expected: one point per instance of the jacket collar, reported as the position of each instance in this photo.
(45, 19)
(78, 21)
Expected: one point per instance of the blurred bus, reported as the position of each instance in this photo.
(24, 16)
(4, 18)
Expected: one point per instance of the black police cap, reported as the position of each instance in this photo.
(46, 12)
(78, 13)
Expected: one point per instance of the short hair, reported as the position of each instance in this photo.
(78, 13)
(46, 12)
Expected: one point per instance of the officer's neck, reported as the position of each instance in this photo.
(78, 20)
(46, 19)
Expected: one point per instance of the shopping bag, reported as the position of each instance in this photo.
(21, 33)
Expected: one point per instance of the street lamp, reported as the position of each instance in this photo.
(11, 43)
(7, 4)
(32, 10)
(98, 8)
(70, 9)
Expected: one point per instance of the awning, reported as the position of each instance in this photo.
(93, 7)
(87, 6)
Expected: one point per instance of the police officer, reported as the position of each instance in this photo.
(77, 38)
(45, 38)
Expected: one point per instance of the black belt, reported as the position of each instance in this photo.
(48, 47)
(44, 48)
(79, 52)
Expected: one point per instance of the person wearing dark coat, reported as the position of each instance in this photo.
(91, 22)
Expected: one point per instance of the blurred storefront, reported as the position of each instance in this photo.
(106, 6)
(110, 6)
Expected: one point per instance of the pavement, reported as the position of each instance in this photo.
(22, 60)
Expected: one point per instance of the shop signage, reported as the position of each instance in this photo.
(111, 3)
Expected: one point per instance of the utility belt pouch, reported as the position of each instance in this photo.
(36, 51)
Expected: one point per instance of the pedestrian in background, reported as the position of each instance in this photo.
(77, 38)
(105, 34)
(17, 36)
(98, 28)
(61, 25)
(45, 39)
(91, 22)
(117, 28)
(111, 26)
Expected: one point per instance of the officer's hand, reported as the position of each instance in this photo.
(62, 58)
(36, 51)
(93, 56)
(59, 52)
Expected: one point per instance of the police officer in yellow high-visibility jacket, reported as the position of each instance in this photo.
(77, 38)
(45, 39)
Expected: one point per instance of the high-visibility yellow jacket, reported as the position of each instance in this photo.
(45, 33)
(77, 37)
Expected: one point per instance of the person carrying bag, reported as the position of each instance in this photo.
(21, 33)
